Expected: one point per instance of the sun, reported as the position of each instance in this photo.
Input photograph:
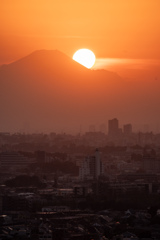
(85, 57)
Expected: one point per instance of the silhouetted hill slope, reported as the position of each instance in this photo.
(52, 63)
(49, 91)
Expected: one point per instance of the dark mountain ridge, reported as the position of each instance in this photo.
(51, 92)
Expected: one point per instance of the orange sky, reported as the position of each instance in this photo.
(110, 28)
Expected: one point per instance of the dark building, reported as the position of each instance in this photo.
(113, 127)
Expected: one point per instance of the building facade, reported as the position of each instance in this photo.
(113, 127)
(91, 167)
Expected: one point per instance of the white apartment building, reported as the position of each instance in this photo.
(91, 167)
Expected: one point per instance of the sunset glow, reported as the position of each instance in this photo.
(80, 119)
(40, 38)
(85, 57)
(114, 29)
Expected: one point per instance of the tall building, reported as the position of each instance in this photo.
(113, 127)
(91, 167)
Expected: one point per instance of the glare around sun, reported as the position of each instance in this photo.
(85, 57)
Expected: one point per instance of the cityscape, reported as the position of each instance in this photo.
(85, 186)
(80, 120)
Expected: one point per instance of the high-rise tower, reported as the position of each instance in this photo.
(113, 127)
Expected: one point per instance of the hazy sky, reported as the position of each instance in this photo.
(110, 28)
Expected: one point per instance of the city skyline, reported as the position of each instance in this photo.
(80, 119)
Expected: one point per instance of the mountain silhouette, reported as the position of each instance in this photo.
(48, 91)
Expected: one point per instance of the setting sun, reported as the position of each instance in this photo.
(85, 57)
